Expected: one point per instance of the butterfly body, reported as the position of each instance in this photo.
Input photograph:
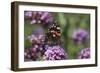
(53, 35)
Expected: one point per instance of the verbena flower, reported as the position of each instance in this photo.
(36, 39)
(38, 36)
(27, 54)
(39, 17)
(31, 53)
(46, 17)
(80, 36)
(84, 53)
(55, 53)
(28, 14)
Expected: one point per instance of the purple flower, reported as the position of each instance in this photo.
(39, 17)
(80, 36)
(38, 36)
(31, 53)
(55, 53)
(44, 15)
(36, 39)
(28, 14)
(84, 53)
(34, 53)
(27, 54)
(33, 21)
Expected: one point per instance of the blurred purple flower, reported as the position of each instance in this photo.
(36, 39)
(31, 53)
(27, 54)
(80, 36)
(34, 53)
(44, 15)
(33, 21)
(55, 53)
(28, 14)
(38, 36)
(39, 17)
(84, 53)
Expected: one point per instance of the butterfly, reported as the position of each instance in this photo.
(54, 31)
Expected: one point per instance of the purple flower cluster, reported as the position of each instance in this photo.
(39, 17)
(84, 53)
(37, 40)
(41, 49)
(55, 53)
(80, 36)
(28, 14)
(32, 53)
(37, 37)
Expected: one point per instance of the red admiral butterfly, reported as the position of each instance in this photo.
(53, 33)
